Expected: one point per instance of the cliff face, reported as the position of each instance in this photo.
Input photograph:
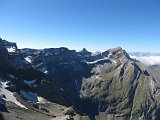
(103, 86)
(3, 50)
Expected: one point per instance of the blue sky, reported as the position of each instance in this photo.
(93, 24)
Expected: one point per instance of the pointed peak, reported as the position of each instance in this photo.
(117, 49)
(84, 50)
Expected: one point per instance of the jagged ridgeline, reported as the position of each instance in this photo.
(63, 84)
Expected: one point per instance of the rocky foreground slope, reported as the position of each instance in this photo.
(62, 84)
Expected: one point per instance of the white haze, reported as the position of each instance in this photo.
(148, 60)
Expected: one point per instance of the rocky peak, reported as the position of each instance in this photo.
(116, 49)
(84, 50)
(10, 46)
(84, 54)
(117, 52)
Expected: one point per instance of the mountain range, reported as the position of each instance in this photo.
(63, 84)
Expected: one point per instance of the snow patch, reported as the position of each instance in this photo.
(120, 67)
(119, 52)
(120, 60)
(4, 84)
(8, 94)
(46, 72)
(110, 54)
(97, 77)
(41, 99)
(114, 61)
(43, 69)
(28, 59)
(105, 58)
(10, 49)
